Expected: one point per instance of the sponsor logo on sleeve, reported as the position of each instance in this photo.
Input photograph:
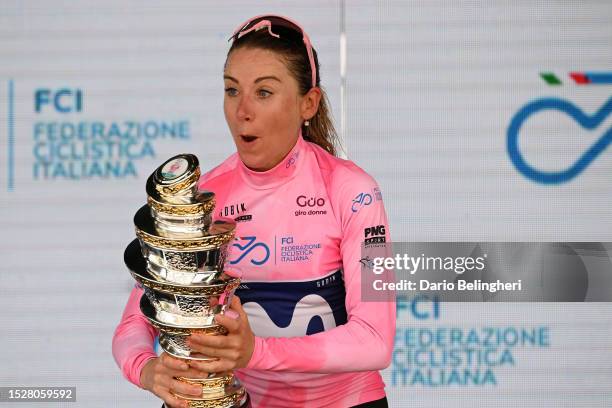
(364, 199)
(374, 235)
(366, 262)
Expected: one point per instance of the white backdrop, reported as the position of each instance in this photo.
(430, 90)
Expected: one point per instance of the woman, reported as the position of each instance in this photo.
(299, 334)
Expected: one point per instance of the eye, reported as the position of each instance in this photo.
(262, 93)
(229, 91)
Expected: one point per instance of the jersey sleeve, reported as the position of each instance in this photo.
(133, 339)
(365, 342)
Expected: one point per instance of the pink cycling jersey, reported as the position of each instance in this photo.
(299, 236)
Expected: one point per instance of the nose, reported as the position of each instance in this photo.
(244, 110)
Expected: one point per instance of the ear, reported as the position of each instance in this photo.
(310, 103)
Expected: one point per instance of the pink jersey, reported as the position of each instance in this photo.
(300, 230)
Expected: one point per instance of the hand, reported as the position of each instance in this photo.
(158, 375)
(231, 351)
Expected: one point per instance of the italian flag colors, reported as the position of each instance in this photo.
(579, 78)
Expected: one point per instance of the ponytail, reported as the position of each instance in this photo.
(321, 129)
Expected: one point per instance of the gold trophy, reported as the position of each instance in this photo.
(178, 258)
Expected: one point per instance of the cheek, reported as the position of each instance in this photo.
(226, 107)
(283, 113)
(227, 111)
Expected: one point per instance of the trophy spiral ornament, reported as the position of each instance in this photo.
(178, 258)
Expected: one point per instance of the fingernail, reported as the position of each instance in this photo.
(232, 314)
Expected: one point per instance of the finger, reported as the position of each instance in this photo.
(173, 363)
(214, 353)
(231, 313)
(218, 366)
(171, 401)
(186, 388)
(193, 372)
(198, 339)
(237, 306)
(231, 324)
(162, 381)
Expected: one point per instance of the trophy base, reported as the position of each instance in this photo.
(245, 404)
(234, 396)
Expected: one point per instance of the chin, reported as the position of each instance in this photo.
(251, 162)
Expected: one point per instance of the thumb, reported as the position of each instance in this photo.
(236, 306)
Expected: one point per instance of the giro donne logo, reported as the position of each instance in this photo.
(590, 122)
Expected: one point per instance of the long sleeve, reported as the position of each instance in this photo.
(365, 342)
(133, 339)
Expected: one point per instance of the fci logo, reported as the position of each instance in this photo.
(63, 100)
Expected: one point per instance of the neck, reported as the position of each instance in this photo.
(282, 172)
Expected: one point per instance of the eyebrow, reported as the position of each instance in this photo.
(256, 81)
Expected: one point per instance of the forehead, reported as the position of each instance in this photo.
(247, 64)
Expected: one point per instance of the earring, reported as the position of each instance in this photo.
(306, 123)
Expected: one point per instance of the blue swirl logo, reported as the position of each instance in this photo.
(250, 246)
(584, 120)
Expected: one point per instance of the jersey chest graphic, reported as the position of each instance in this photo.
(289, 309)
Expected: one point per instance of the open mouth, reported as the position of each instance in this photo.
(248, 138)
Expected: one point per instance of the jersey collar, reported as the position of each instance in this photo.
(279, 174)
